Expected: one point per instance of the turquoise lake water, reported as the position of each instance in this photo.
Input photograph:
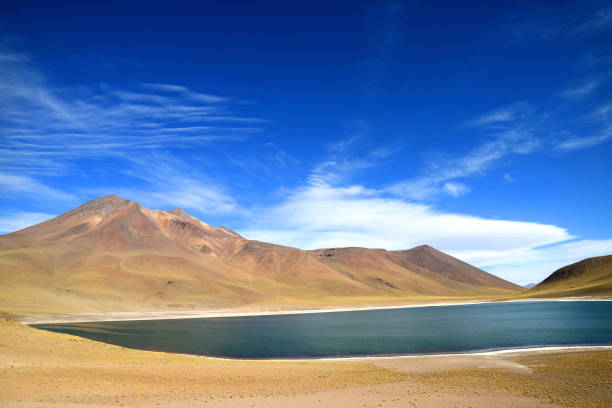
(421, 330)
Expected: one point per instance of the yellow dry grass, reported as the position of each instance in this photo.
(37, 365)
(41, 369)
(566, 380)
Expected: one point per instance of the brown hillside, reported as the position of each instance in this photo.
(423, 270)
(451, 268)
(112, 254)
(589, 277)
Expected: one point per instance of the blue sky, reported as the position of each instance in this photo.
(481, 128)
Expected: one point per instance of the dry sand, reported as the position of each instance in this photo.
(44, 369)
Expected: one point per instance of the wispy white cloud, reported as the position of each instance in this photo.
(560, 20)
(46, 131)
(15, 221)
(165, 87)
(101, 121)
(515, 129)
(192, 194)
(603, 113)
(167, 182)
(188, 193)
(512, 134)
(599, 21)
(186, 92)
(20, 185)
(500, 118)
(602, 117)
(455, 189)
(577, 143)
(337, 168)
(356, 129)
(344, 159)
(9, 56)
(581, 91)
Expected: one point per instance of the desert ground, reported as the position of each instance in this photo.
(44, 369)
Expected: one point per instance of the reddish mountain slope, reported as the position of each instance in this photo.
(451, 268)
(114, 254)
(422, 270)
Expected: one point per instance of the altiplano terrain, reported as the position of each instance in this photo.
(114, 258)
(114, 255)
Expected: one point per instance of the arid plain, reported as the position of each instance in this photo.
(43, 369)
(171, 265)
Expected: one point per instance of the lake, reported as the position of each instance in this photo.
(417, 330)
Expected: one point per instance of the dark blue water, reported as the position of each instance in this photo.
(440, 329)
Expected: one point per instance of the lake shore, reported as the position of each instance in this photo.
(37, 318)
(514, 352)
(42, 369)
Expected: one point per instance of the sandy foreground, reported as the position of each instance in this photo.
(44, 369)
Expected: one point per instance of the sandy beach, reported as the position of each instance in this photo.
(44, 369)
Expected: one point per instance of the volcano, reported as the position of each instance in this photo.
(114, 254)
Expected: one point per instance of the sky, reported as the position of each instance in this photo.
(483, 129)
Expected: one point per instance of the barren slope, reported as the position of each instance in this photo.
(589, 277)
(112, 254)
(422, 270)
(451, 268)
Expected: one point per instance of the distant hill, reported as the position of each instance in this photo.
(452, 268)
(529, 285)
(112, 254)
(589, 277)
(424, 270)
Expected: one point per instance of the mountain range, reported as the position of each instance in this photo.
(115, 254)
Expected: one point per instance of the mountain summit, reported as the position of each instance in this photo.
(115, 254)
(111, 223)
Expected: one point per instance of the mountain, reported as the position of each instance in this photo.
(589, 277)
(529, 285)
(452, 268)
(112, 254)
(423, 270)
